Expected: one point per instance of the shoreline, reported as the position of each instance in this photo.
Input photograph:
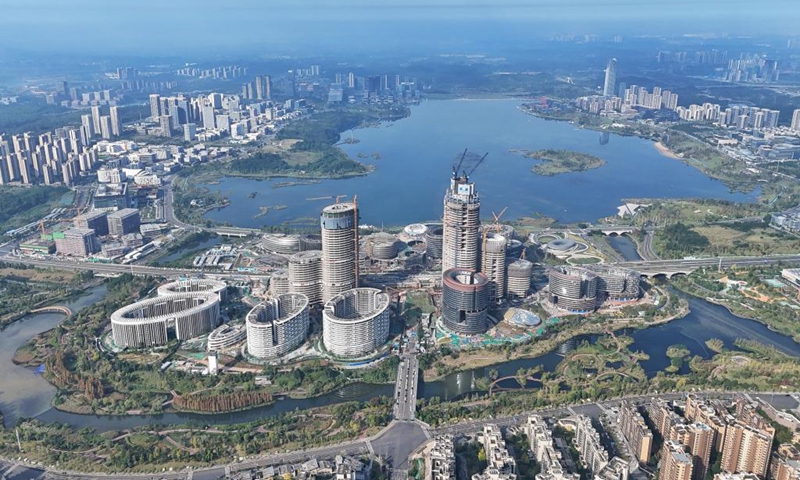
(665, 151)
(557, 341)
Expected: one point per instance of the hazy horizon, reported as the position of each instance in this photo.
(304, 26)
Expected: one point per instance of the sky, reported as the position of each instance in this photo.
(166, 27)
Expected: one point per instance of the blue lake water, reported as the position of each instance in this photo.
(417, 154)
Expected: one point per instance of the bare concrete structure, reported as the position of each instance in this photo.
(339, 223)
(518, 278)
(461, 225)
(493, 265)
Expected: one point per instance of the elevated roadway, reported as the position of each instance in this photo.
(668, 268)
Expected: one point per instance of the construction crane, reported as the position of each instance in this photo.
(457, 167)
(476, 165)
(493, 227)
(496, 223)
(339, 197)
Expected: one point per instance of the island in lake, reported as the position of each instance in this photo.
(560, 161)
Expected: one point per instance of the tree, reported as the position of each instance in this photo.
(481, 455)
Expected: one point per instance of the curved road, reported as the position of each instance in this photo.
(396, 442)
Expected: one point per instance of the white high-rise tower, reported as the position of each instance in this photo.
(611, 78)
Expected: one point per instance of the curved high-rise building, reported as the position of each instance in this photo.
(305, 275)
(573, 289)
(611, 78)
(279, 283)
(145, 323)
(277, 326)
(356, 322)
(461, 224)
(187, 285)
(493, 264)
(519, 278)
(465, 301)
(339, 223)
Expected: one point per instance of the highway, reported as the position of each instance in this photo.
(72, 265)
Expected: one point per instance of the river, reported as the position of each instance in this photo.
(417, 154)
(23, 393)
(705, 321)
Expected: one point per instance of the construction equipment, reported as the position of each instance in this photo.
(476, 165)
(339, 197)
(457, 167)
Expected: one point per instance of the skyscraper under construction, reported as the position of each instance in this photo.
(461, 224)
(339, 224)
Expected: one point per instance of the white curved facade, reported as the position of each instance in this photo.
(305, 275)
(277, 326)
(356, 322)
(226, 336)
(339, 224)
(145, 323)
(187, 285)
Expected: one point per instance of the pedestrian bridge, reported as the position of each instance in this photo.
(53, 309)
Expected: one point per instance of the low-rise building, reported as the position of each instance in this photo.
(78, 242)
(123, 221)
(442, 458)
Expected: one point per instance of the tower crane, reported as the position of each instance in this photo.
(476, 165)
(457, 167)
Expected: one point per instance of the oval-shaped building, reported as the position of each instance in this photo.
(465, 301)
(356, 322)
(193, 285)
(277, 326)
(145, 323)
(573, 289)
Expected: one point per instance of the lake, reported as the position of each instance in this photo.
(417, 155)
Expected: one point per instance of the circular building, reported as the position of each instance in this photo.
(519, 278)
(225, 336)
(573, 289)
(618, 284)
(277, 326)
(493, 264)
(433, 241)
(145, 323)
(279, 283)
(281, 243)
(465, 301)
(339, 224)
(382, 246)
(193, 285)
(514, 248)
(305, 275)
(561, 245)
(356, 322)
(416, 230)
